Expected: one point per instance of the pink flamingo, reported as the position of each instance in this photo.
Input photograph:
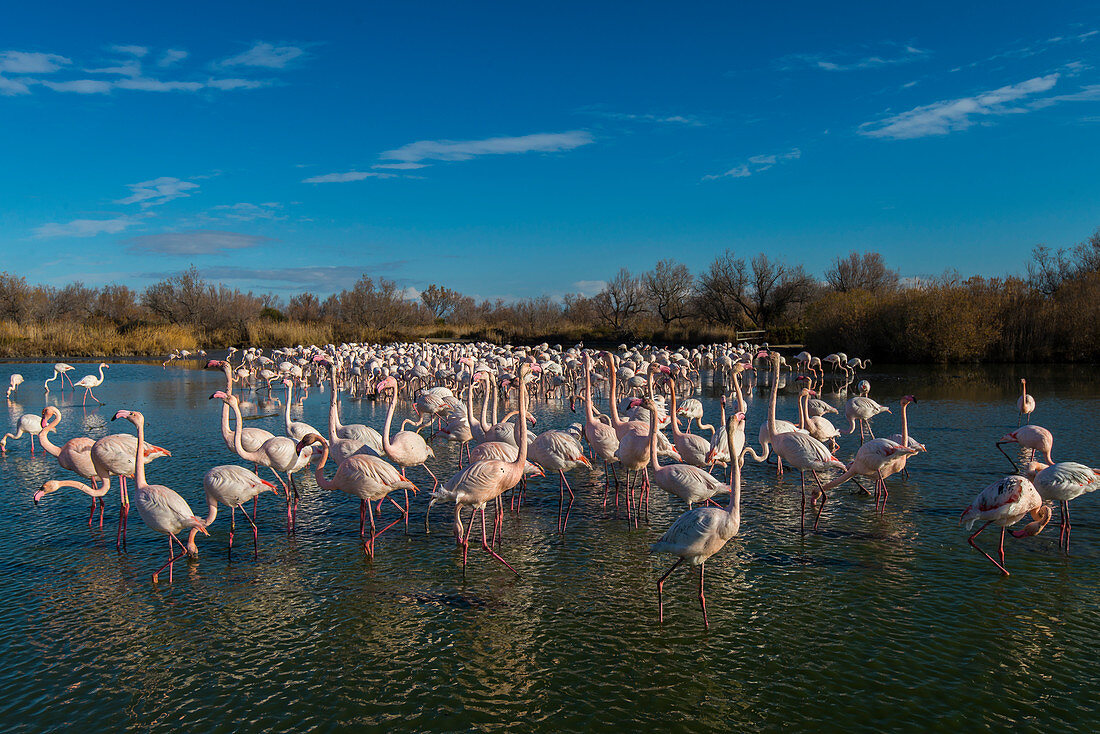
(1025, 403)
(159, 507)
(406, 448)
(496, 450)
(691, 447)
(701, 532)
(559, 452)
(1036, 438)
(89, 381)
(689, 483)
(1004, 503)
(59, 370)
(483, 481)
(1062, 482)
(232, 486)
(801, 450)
(75, 455)
(364, 476)
(114, 455)
(96, 493)
(251, 438)
(28, 423)
(601, 437)
(279, 454)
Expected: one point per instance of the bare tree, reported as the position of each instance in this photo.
(1048, 270)
(620, 301)
(762, 292)
(304, 307)
(866, 271)
(440, 301)
(668, 290)
(14, 297)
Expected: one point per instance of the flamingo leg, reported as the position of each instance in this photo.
(970, 540)
(660, 591)
(485, 545)
(1065, 519)
(232, 528)
(1010, 459)
(824, 499)
(171, 558)
(466, 540)
(702, 596)
(102, 403)
(572, 497)
(255, 534)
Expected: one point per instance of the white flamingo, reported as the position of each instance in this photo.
(28, 423)
(1004, 503)
(89, 381)
(1062, 482)
(232, 486)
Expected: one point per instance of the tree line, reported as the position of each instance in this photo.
(860, 305)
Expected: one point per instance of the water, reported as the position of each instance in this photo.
(870, 624)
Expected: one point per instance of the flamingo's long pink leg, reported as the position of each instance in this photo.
(661, 588)
(970, 540)
(485, 545)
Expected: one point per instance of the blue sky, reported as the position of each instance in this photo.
(514, 149)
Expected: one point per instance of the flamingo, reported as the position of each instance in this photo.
(600, 436)
(1036, 438)
(688, 482)
(1004, 503)
(559, 451)
(1025, 404)
(497, 450)
(363, 476)
(75, 455)
(232, 486)
(862, 409)
(800, 450)
(406, 448)
(362, 435)
(295, 430)
(691, 447)
(159, 507)
(14, 382)
(483, 481)
(701, 532)
(96, 493)
(251, 438)
(114, 454)
(817, 426)
(1062, 482)
(279, 454)
(28, 423)
(59, 370)
(89, 381)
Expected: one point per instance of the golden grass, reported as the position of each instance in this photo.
(90, 339)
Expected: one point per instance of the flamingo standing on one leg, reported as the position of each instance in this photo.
(89, 381)
(1004, 503)
(232, 486)
(160, 508)
(1025, 404)
(1062, 482)
(28, 423)
(703, 531)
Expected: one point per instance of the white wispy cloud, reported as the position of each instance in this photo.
(266, 55)
(31, 62)
(941, 118)
(171, 56)
(194, 242)
(407, 166)
(84, 227)
(80, 86)
(463, 150)
(589, 288)
(345, 177)
(756, 164)
(246, 212)
(12, 87)
(601, 111)
(138, 51)
(145, 84)
(888, 54)
(328, 277)
(158, 191)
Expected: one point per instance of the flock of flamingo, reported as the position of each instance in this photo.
(498, 454)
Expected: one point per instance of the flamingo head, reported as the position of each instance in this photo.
(48, 411)
(735, 420)
(308, 440)
(389, 382)
(907, 399)
(48, 488)
(1009, 438)
(131, 415)
(1040, 517)
(1033, 468)
(215, 364)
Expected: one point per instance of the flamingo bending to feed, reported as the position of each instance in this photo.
(160, 508)
(703, 531)
(114, 455)
(279, 454)
(89, 381)
(59, 370)
(232, 486)
(406, 448)
(483, 481)
(1062, 482)
(1036, 438)
(800, 450)
(1025, 404)
(363, 476)
(28, 423)
(1004, 503)
(96, 493)
(75, 455)
(14, 382)
(688, 482)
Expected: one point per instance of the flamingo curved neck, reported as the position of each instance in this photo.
(318, 471)
(237, 445)
(139, 458)
(653, 439)
(740, 396)
(389, 421)
(44, 435)
(675, 420)
(616, 421)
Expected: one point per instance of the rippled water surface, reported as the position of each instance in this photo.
(871, 623)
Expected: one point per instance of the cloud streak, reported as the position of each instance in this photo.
(194, 242)
(941, 118)
(321, 277)
(891, 55)
(84, 227)
(265, 55)
(345, 177)
(464, 150)
(158, 191)
(756, 164)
